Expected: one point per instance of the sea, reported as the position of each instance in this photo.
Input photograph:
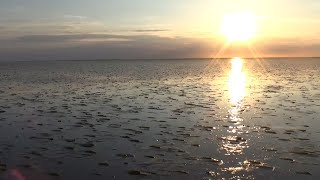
(160, 119)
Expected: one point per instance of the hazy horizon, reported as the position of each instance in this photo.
(165, 59)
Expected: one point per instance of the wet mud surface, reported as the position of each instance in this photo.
(183, 119)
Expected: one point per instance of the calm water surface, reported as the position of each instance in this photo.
(160, 119)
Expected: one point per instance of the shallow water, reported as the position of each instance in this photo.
(160, 119)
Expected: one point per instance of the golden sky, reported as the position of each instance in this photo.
(126, 29)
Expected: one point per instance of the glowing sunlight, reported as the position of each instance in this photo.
(237, 81)
(239, 27)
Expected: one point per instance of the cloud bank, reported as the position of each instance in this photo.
(115, 46)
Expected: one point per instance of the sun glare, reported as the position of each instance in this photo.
(237, 81)
(239, 27)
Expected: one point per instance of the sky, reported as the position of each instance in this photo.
(135, 29)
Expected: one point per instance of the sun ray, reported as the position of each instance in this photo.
(256, 57)
(216, 60)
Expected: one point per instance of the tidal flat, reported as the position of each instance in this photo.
(160, 119)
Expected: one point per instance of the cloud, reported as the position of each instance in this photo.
(67, 37)
(135, 39)
(76, 17)
(76, 46)
(133, 46)
(151, 30)
(19, 26)
(291, 49)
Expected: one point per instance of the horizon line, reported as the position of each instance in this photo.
(198, 58)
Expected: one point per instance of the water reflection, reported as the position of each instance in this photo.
(237, 89)
(234, 143)
(237, 82)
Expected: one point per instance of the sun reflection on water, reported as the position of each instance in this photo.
(234, 143)
(237, 82)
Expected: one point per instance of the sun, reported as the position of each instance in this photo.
(239, 27)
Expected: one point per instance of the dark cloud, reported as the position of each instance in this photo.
(290, 49)
(67, 37)
(70, 46)
(78, 37)
(138, 47)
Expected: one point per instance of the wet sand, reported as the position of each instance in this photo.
(160, 119)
